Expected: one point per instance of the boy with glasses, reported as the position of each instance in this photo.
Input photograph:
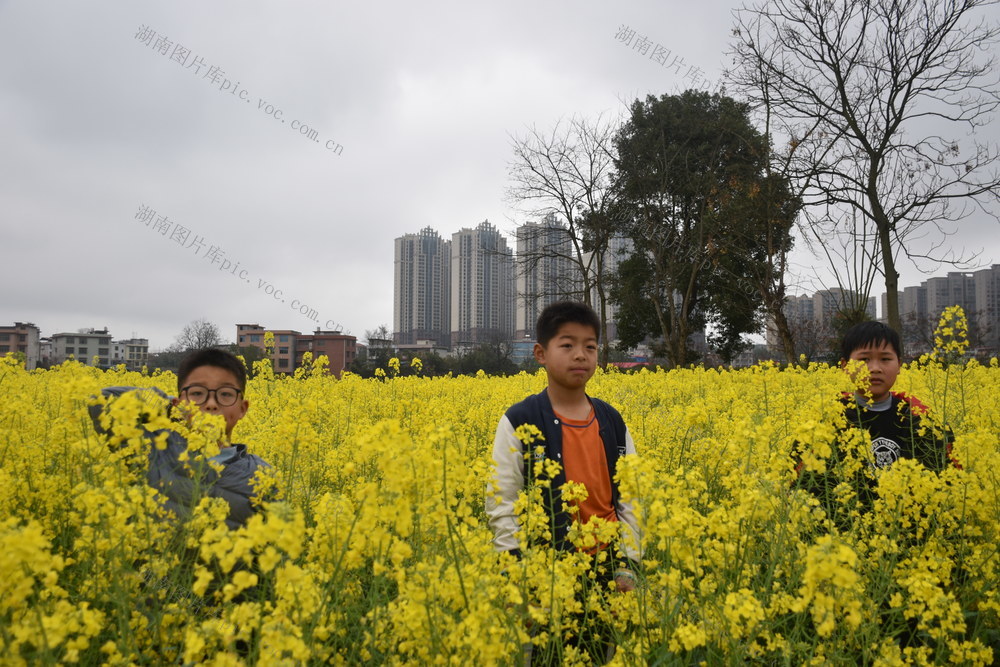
(214, 381)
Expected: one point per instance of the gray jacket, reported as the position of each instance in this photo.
(182, 483)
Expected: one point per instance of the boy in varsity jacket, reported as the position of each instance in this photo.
(585, 435)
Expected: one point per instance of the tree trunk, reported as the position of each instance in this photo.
(679, 334)
(664, 328)
(676, 353)
(888, 266)
(891, 279)
(605, 348)
(787, 342)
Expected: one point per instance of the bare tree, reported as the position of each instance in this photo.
(813, 340)
(379, 342)
(782, 202)
(871, 87)
(917, 333)
(544, 264)
(380, 336)
(198, 334)
(566, 173)
(854, 249)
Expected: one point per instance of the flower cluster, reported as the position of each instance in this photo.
(951, 337)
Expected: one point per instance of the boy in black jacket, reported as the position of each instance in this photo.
(893, 427)
(892, 419)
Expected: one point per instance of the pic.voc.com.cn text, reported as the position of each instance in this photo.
(214, 254)
(184, 57)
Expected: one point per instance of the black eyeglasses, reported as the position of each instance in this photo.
(224, 396)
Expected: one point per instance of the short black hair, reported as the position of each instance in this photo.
(870, 333)
(212, 356)
(563, 312)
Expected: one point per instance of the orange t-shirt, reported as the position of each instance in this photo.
(584, 462)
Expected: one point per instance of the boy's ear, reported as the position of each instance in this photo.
(246, 406)
(539, 353)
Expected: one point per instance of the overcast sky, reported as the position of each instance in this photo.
(412, 106)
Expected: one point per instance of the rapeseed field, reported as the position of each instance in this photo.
(377, 550)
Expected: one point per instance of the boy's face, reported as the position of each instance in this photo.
(215, 378)
(883, 367)
(570, 358)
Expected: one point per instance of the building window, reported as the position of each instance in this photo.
(282, 350)
(4, 349)
(69, 350)
(241, 339)
(22, 348)
(283, 338)
(103, 351)
(4, 336)
(22, 338)
(82, 352)
(282, 363)
(254, 338)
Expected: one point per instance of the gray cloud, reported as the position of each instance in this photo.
(421, 97)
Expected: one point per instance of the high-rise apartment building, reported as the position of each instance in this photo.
(978, 293)
(916, 325)
(470, 290)
(799, 307)
(914, 301)
(798, 312)
(951, 290)
(987, 287)
(619, 249)
(828, 302)
(547, 270)
(544, 272)
(422, 294)
(482, 286)
(811, 319)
